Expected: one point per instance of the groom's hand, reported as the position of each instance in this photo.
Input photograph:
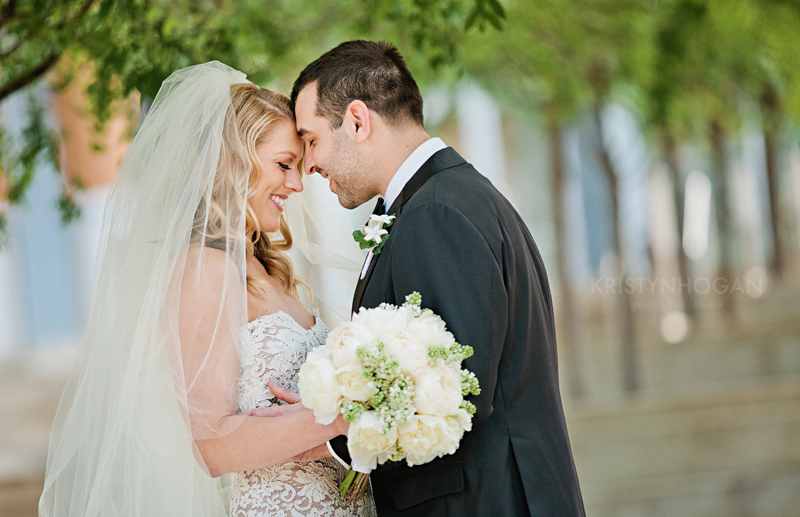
(293, 403)
(275, 410)
(293, 399)
(284, 394)
(317, 453)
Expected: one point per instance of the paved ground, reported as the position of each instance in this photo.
(30, 389)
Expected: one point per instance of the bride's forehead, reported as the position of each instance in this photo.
(282, 134)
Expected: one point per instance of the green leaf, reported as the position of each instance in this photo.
(379, 247)
(497, 8)
(358, 235)
(472, 18)
(4, 240)
(69, 209)
(495, 21)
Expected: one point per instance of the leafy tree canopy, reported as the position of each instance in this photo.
(133, 45)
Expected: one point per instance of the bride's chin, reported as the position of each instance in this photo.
(275, 226)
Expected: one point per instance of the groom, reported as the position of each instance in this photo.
(462, 245)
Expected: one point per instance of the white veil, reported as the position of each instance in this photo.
(121, 443)
(324, 253)
(172, 264)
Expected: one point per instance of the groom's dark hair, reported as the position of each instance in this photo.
(372, 72)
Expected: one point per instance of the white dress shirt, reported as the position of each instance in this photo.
(406, 171)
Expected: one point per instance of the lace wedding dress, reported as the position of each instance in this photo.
(273, 348)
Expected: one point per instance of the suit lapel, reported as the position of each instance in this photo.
(441, 160)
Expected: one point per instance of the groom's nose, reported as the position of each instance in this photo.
(309, 165)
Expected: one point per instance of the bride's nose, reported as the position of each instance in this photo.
(293, 180)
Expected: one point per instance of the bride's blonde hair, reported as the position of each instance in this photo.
(255, 111)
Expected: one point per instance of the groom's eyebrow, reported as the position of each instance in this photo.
(302, 132)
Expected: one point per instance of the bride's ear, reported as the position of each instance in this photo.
(357, 117)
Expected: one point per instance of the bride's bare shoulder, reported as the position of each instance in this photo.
(210, 265)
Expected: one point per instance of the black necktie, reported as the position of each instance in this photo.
(380, 208)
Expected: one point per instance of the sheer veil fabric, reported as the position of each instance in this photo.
(324, 253)
(172, 263)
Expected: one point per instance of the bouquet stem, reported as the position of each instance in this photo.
(354, 486)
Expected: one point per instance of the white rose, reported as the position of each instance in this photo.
(404, 348)
(380, 321)
(344, 340)
(430, 330)
(366, 442)
(317, 385)
(353, 385)
(437, 391)
(426, 437)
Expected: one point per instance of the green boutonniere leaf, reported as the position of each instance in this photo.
(364, 244)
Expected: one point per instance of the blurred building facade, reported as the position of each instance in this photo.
(714, 428)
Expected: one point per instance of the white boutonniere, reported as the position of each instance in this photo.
(372, 235)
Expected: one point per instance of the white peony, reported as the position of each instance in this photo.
(379, 322)
(344, 340)
(437, 391)
(426, 437)
(430, 330)
(461, 419)
(318, 387)
(459, 423)
(353, 385)
(404, 348)
(366, 442)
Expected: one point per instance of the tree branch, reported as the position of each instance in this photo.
(34, 73)
(7, 13)
(29, 76)
(77, 16)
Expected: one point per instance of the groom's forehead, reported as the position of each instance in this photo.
(307, 100)
(309, 122)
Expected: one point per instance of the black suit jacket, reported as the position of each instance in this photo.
(462, 245)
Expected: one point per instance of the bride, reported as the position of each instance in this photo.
(196, 309)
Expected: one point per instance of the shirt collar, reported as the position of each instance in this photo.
(412, 164)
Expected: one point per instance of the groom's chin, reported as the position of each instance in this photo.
(348, 203)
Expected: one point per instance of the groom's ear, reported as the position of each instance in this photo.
(358, 118)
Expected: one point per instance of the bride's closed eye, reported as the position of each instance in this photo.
(284, 166)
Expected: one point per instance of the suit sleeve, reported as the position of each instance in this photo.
(440, 253)
(339, 446)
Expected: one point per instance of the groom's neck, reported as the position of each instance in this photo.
(395, 147)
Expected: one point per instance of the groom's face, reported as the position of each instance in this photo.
(332, 152)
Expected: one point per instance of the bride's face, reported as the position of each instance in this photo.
(280, 156)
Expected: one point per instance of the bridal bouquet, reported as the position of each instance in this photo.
(395, 374)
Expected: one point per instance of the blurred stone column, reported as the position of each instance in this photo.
(480, 132)
(92, 158)
(9, 289)
(13, 316)
(11, 328)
